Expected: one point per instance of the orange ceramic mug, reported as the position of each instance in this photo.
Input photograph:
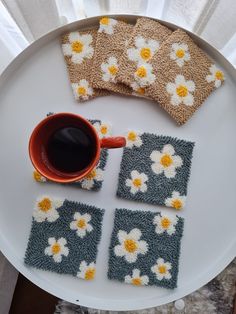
(42, 140)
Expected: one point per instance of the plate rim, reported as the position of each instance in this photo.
(88, 301)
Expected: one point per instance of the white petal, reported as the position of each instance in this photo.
(57, 258)
(159, 229)
(107, 77)
(131, 257)
(77, 58)
(171, 88)
(170, 172)
(88, 52)
(73, 225)
(51, 241)
(183, 46)
(160, 260)
(167, 275)
(175, 194)
(180, 80)
(86, 39)
(65, 251)
(52, 215)
(188, 100)
(122, 235)
(139, 42)
(142, 247)
(168, 149)
(213, 69)
(39, 216)
(134, 189)
(134, 174)
(87, 184)
(143, 188)
(145, 280)
(74, 36)
(153, 45)
(83, 266)
(119, 251)
(135, 234)
(84, 83)
(133, 54)
(77, 216)
(66, 49)
(177, 161)
(173, 56)
(175, 46)
(159, 276)
(157, 219)
(217, 83)
(168, 202)
(48, 251)
(129, 182)
(62, 241)
(112, 61)
(157, 168)
(89, 228)
(99, 174)
(180, 62)
(136, 273)
(86, 217)
(187, 56)
(210, 78)
(144, 177)
(128, 279)
(190, 86)
(171, 230)
(175, 100)
(81, 232)
(156, 156)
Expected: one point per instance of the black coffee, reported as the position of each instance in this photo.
(70, 149)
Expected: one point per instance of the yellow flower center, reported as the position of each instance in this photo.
(91, 175)
(90, 274)
(177, 204)
(180, 53)
(219, 75)
(132, 136)
(136, 281)
(113, 70)
(145, 53)
(130, 245)
(166, 160)
(45, 204)
(182, 91)
(37, 176)
(165, 223)
(137, 182)
(104, 21)
(81, 91)
(141, 90)
(77, 46)
(103, 129)
(56, 248)
(141, 72)
(162, 269)
(81, 223)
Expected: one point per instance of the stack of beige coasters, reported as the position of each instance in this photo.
(185, 76)
(112, 38)
(78, 49)
(135, 69)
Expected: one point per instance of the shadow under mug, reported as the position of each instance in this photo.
(46, 128)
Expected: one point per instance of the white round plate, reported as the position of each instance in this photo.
(35, 83)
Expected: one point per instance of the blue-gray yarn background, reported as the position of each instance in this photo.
(79, 248)
(160, 245)
(158, 186)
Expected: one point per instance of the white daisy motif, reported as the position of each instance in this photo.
(137, 182)
(161, 269)
(180, 53)
(79, 47)
(138, 91)
(81, 224)
(56, 249)
(133, 139)
(130, 245)
(165, 223)
(216, 76)
(166, 161)
(95, 175)
(106, 25)
(110, 70)
(87, 271)
(180, 91)
(45, 209)
(82, 90)
(38, 177)
(176, 201)
(144, 51)
(144, 75)
(136, 279)
(103, 129)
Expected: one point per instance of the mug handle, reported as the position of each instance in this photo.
(113, 142)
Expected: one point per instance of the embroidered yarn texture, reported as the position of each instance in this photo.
(64, 237)
(111, 39)
(135, 68)
(155, 169)
(145, 248)
(78, 50)
(185, 76)
(93, 181)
